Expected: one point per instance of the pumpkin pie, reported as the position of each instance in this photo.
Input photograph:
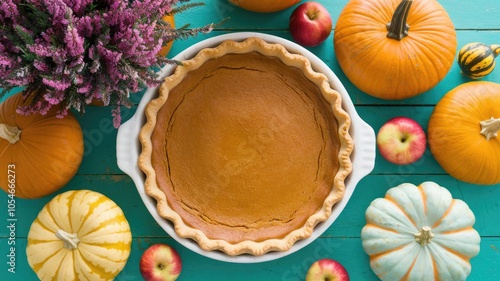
(246, 148)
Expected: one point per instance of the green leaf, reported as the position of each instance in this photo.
(185, 7)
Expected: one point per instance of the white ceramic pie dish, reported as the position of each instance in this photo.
(363, 156)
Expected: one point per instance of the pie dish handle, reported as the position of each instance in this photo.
(364, 151)
(127, 147)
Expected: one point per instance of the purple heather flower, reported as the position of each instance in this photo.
(38, 3)
(54, 97)
(117, 118)
(59, 11)
(74, 42)
(62, 113)
(161, 7)
(39, 107)
(4, 58)
(59, 85)
(8, 10)
(111, 59)
(84, 88)
(41, 66)
(78, 6)
(84, 52)
(84, 25)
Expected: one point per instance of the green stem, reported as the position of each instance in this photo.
(398, 28)
(495, 48)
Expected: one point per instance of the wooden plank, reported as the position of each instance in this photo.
(483, 201)
(100, 142)
(482, 14)
(118, 188)
(100, 139)
(290, 268)
(474, 21)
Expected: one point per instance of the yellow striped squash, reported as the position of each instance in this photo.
(79, 235)
(420, 233)
(477, 60)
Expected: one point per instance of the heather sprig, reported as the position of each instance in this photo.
(69, 53)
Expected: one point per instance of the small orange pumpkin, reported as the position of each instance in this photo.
(264, 6)
(166, 48)
(463, 132)
(399, 57)
(39, 153)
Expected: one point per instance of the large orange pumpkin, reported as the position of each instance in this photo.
(463, 132)
(166, 48)
(394, 49)
(39, 153)
(264, 6)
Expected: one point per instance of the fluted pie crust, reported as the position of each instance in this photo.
(246, 148)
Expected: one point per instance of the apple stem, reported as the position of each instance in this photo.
(424, 236)
(398, 28)
(312, 14)
(70, 240)
(490, 128)
(11, 134)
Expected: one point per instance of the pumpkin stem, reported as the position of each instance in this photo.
(11, 134)
(495, 48)
(490, 128)
(424, 236)
(398, 28)
(70, 240)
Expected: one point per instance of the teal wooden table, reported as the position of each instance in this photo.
(474, 21)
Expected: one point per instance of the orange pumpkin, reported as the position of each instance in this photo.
(39, 153)
(463, 132)
(166, 48)
(264, 6)
(394, 49)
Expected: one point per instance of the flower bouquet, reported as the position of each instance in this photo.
(69, 53)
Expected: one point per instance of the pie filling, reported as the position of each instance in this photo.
(245, 148)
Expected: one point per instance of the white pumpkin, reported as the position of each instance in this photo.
(79, 235)
(420, 233)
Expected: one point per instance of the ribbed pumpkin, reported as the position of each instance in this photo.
(477, 60)
(420, 233)
(463, 132)
(393, 49)
(79, 235)
(264, 6)
(45, 150)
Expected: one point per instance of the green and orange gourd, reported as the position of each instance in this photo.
(476, 59)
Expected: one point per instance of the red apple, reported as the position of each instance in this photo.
(401, 140)
(310, 24)
(327, 269)
(160, 262)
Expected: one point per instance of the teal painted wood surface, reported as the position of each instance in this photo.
(474, 21)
